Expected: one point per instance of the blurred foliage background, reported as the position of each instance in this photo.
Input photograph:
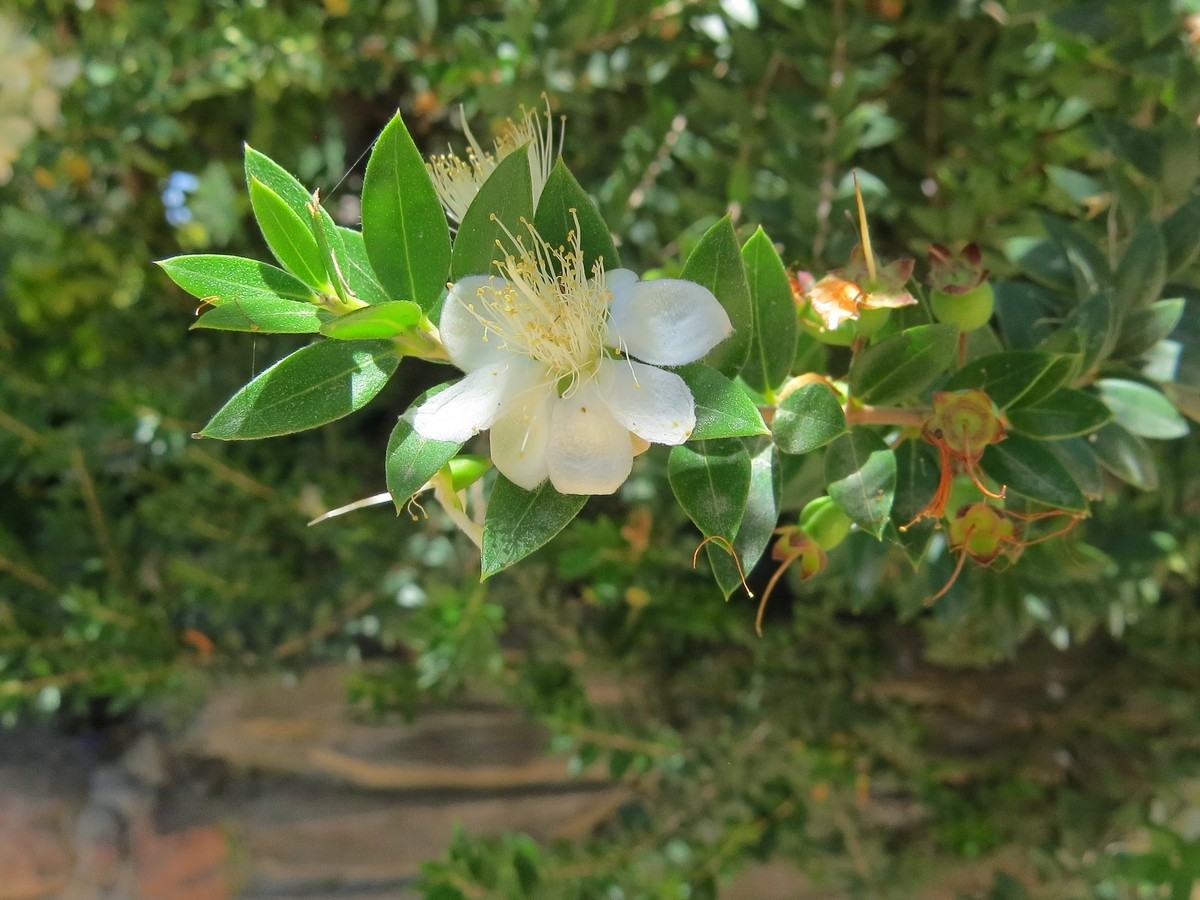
(1052, 708)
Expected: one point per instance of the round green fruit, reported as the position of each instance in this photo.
(968, 311)
(824, 521)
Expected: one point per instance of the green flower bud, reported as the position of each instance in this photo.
(825, 522)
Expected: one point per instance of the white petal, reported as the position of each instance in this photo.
(518, 438)
(619, 281)
(653, 404)
(667, 322)
(463, 335)
(471, 405)
(588, 451)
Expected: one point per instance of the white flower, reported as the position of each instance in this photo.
(458, 180)
(561, 366)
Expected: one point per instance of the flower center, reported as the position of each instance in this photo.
(547, 307)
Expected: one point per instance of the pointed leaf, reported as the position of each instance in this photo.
(1077, 457)
(384, 320)
(759, 520)
(860, 470)
(711, 481)
(1015, 377)
(404, 229)
(716, 263)
(1141, 409)
(289, 237)
(1026, 468)
(356, 267)
(411, 460)
(1181, 234)
(520, 521)
(809, 417)
(903, 365)
(1126, 456)
(1088, 265)
(1065, 413)
(1144, 328)
(722, 408)
(231, 279)
(315, 385)
(504, 200)
(260, 167)
(554, 219)
(1142, 271)
(775, 324)
(266, 315)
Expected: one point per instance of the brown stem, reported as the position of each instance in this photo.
(887, 415)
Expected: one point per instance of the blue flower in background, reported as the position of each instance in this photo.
(174, 197)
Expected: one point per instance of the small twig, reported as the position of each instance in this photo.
(91, 500)
(27, 575)
(887, 415)
(298, 644)
(21, 430)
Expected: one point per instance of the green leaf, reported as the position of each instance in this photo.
(860, 470)
(384, 320)
(502, 202)
(1077, 457)
(1026, 468)
(1015, 377)
(1025, 311)
(722, 408)
(775, 324)
(758, 521)
(266, 315)
(716, 263)
(1094, 325)
(903, 365)
(1041, 260)
(1141, 409)
(404, 229)
(1089, 268)
(809, 417)
(711, 481)
(315, 385)
(231, 279)
(918, 475)
(356, 267)
(289, 237)
(554, 219)
(1126, 456)
(520, 521)
(1065, 413)
(1142, 271)
(1181, 234)
(260, 167)
(411, 460)
(1144, 328)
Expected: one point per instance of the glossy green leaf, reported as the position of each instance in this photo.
(231, 279)
(1025, 313)
(903, 365)
(384, 320)
(775, 324)
(504, 200)
(1092, 327)
(860, 471)
(315, 385)
(1141, 409)
(1027, 469)
(1040, 260)
(809, 417)
(555, 220)
(1077, 457)
(289, 237)
(520, 521)
(716, 263)
(356, 267)
(1146, 327)
(711, 481)
(1140, 275)
(1125, 455)
(404, 228)
(411, 460)
(1015, 377)
(266, 315)
(1065, 413)
(759, 521)
(918, 475)
(722, 408)
(260, 167)
(1089, 268)
(1181, 235)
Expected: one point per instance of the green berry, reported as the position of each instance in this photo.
(824, 521)
(968, 311)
